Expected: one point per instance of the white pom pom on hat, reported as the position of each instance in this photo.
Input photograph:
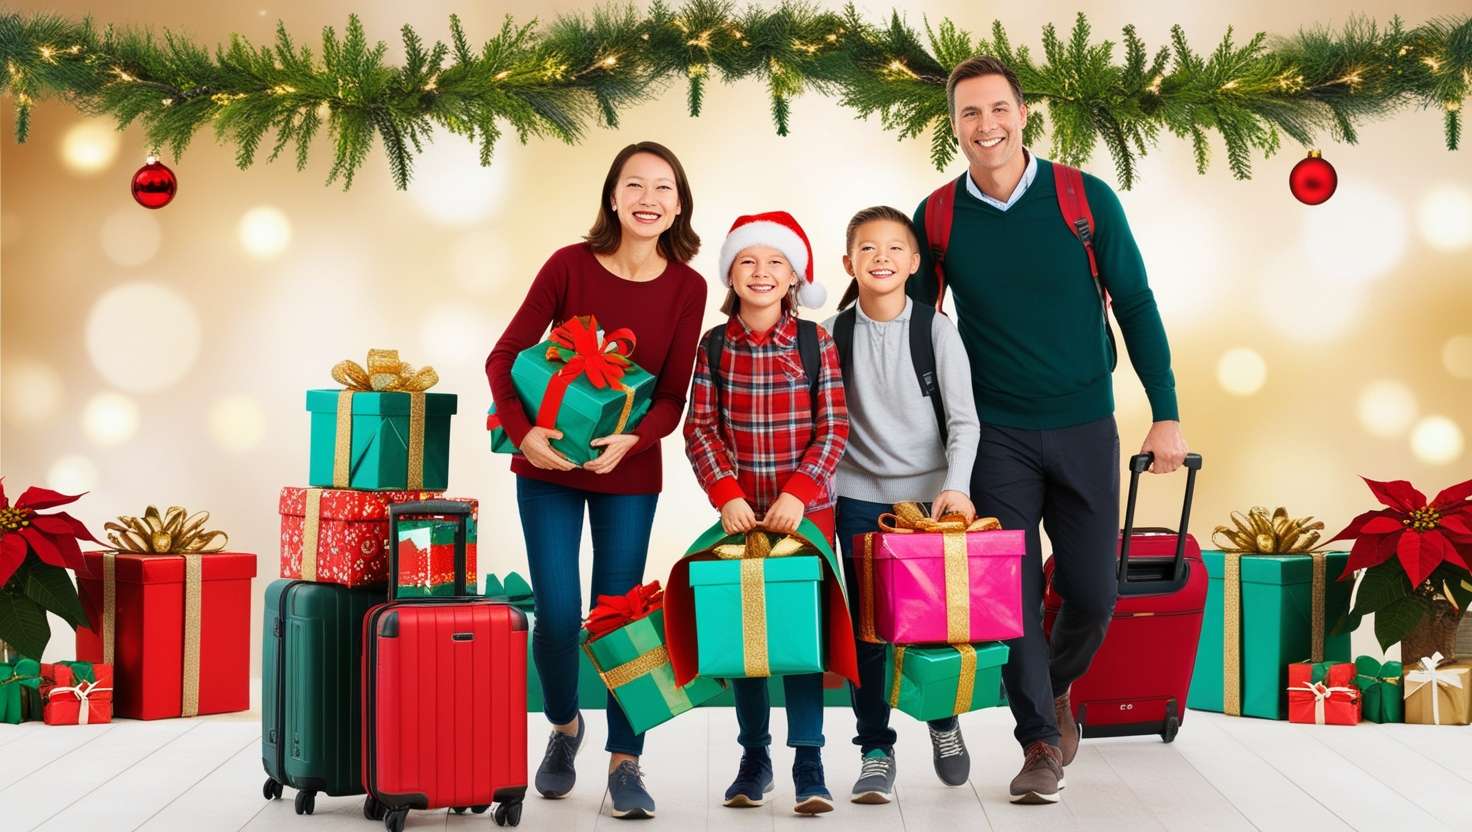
(779, 230)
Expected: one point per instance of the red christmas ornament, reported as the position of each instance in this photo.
(1313, 179)
(154, 184)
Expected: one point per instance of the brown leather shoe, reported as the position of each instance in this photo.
(1041, 776)
(1068, 733)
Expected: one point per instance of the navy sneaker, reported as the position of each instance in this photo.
(812, 795)
(556, 774)
(626, 789)
(753, 779)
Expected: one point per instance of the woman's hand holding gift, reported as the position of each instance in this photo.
(614, 446)
(538, 450)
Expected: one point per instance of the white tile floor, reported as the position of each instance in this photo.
(1220, 773)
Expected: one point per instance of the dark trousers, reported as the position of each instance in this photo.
(1067, 479)
(552, 523)
(856, 517)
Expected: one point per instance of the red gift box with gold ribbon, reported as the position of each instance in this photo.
(338, 536)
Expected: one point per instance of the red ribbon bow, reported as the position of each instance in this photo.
(583, 353)
(615, 611)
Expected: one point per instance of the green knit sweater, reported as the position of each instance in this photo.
(1029, 312)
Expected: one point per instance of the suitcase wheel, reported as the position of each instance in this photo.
(372, 809)
(394, 820)
(271, 790)
(1172, 726)
(508, 814)
(480, 810)
(306, 802)
(460, 810)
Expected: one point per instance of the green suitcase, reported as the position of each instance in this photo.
(310, 702)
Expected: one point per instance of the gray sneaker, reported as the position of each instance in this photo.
(631, 800)
(948, 749)
(556, 774)
(876, 778)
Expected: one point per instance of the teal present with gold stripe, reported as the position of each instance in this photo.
(938, 682)
(633, 664)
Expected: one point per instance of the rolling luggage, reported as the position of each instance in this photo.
(444, 687)
(310, 721)
(1138, 680)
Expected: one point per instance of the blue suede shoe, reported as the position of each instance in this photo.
(753, 779)
(556, 774)
(812, 795)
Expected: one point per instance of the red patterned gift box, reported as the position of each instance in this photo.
(70, 700)
(175, 628)
(1323, 693)
(336, 535)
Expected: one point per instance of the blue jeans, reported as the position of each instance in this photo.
(804, 692)
(856, 517)
(552, 523)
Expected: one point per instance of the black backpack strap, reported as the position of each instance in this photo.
(843, 339)
(922, 355)
(812, 359)
(715, 345)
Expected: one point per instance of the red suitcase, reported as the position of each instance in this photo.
(444, 688)
(1138, 680)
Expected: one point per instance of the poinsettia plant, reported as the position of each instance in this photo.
(36, 549)
(1415, 555)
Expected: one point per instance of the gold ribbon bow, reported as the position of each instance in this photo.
(910, 518)
(1260, 533)
(756, 549)
(175, 532)
(385, 374)
(965, 683)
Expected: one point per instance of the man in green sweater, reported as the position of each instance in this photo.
(1034, 327)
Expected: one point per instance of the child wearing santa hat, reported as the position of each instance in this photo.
(766, 428)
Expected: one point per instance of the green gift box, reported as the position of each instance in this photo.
(943, 681)
(561, 373)
(380, 441)
(784, 597)
(20, 691)
(634, 665)
(1273, 618)
(426, 559)
(514, 590)
(1380, 689)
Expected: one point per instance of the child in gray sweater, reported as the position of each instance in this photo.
(903, 446)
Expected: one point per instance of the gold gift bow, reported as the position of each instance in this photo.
(176, 532)
(1259, 533)
(965, 684)
(910, 518)
(1427, 674)
(385, 374)
(756, 549)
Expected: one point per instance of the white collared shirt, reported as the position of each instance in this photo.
(1028, 174)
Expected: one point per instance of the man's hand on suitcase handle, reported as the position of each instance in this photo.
(1166, 444)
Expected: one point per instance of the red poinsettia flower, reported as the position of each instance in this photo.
(53, 537)
(1421, 535)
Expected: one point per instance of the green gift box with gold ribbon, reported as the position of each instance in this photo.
(1381, 689)
(583, 382)
(937, 682)
(633, 663)
(1270, 602)
(382, 432)
(20, 691)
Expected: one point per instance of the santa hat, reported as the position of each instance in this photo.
(778, 230)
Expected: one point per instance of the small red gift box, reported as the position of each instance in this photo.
(336, 535)
(1323, 693)
(179, 635)
(70, 701)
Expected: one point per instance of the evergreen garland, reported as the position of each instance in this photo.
(580, 70)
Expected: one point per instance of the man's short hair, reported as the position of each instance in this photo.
(976, 67)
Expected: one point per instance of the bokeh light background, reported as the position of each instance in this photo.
(160, 357)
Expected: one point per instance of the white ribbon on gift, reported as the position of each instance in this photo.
(83, 691)
(1321, 693)
(1427, 675)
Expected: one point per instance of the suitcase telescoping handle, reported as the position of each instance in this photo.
(1139, 463)
(427, 508)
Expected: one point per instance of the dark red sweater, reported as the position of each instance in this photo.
(665, 314)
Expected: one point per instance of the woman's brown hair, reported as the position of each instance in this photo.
(679, 242)
(878, 212)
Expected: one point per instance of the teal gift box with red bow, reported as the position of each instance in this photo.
(583, 382)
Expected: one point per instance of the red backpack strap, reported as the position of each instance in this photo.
(1074, 204)
(940, 210)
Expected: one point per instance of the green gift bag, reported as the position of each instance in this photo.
(582, 382)
(380, 441)
(938, 682)
(514, 590)
(740, 602)
(1381, 689)
(1263, 613)
(633, 663)
(20, 685)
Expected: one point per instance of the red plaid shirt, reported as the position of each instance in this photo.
(762, 440)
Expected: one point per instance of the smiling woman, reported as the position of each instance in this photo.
(630, 272)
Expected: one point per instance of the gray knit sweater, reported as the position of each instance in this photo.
(894, 448)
